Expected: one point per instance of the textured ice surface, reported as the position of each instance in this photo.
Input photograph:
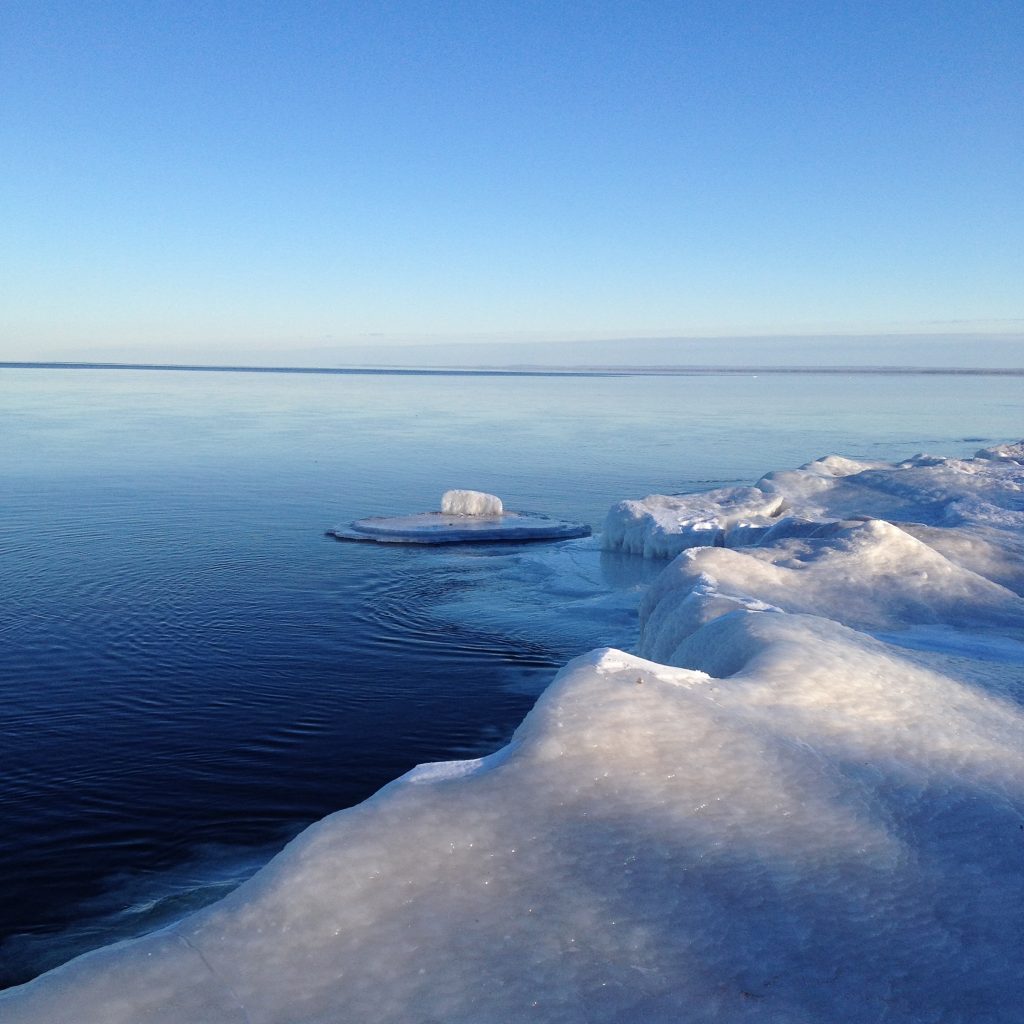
(804, 803)
(982, 495)
(869, 575)
(470, 503)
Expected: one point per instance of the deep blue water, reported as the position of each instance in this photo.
(190, 671)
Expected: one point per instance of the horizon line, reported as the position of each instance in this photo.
(523, 369)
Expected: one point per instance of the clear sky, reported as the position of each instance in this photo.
(179, 178)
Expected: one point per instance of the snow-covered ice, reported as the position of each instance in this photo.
(980, 496)
(801, 800)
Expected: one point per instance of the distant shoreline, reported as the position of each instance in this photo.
(532, 370)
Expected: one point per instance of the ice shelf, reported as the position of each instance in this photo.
(801, 800)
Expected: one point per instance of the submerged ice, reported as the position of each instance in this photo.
(801, 799)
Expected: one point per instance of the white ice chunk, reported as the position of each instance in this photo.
(470, 503)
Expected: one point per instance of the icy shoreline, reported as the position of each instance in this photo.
(801, 800)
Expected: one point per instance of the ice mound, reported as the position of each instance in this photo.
(803, 803)
(1003, 452)
(982, 497)
(663, 525)
(470, 503)
(465, 516)
(869, 575)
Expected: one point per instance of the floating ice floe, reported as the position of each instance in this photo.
(465, 516)
(801, 800)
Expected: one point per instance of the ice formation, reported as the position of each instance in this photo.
(465, 517)
(802, 800)
(470, 503)
(927, 495)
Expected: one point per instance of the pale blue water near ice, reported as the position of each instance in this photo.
(190, 671)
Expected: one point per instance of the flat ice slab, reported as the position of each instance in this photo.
(441, 528)
(465, 517)
(449, 528)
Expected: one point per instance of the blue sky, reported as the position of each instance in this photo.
(181, 179)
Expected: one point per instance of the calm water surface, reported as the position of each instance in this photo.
(190, 672)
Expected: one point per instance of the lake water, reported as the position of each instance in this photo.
(191, 672)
